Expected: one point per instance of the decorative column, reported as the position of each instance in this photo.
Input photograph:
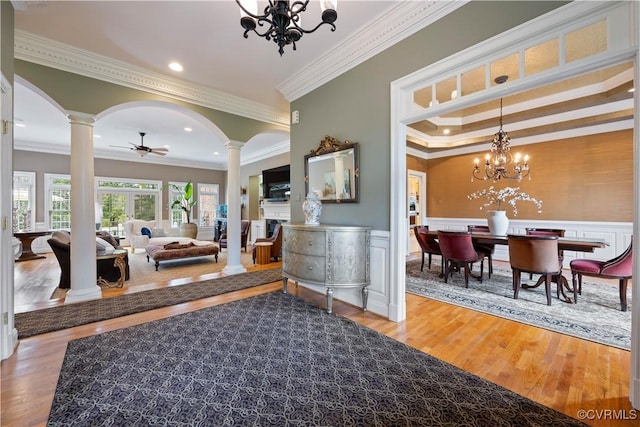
(234, 261)
(83, 227)
(338, 159)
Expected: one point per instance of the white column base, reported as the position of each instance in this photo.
(234, 269)
(84, 294)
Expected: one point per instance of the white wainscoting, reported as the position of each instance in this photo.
(617, 234)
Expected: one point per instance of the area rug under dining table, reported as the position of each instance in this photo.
(597, 316)
(273, 359)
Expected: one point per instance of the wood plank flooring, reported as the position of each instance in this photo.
(565, 373)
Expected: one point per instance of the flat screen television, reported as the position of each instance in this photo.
(276, 184)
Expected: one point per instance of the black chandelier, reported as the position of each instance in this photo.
(499, 163)
(282, 19)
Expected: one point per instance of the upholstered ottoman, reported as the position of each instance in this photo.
(175, 251)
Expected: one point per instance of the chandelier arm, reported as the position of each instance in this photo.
(295, 24)
(302, 4)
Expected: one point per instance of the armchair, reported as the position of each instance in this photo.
(619, 268)
(133, 232)
(276, 239)
(244, 234)
(60, 242)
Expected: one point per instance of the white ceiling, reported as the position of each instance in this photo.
(207, 39)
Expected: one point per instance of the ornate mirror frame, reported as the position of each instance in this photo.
(323, 164)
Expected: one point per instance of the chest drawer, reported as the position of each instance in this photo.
(305, 242)
(305, 267)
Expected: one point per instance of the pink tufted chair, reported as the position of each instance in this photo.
(619, 268)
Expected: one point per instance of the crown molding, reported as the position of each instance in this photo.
(394, 25)
(40, 147)
(39, 50)
(283, 147)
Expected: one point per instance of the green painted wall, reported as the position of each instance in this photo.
(356, 105)
(6, 35)
(87, 95)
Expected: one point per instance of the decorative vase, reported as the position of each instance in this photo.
(498, 222)
(312, 207)
(189, 230)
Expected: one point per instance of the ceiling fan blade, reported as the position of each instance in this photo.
(159, 153)
(121, 146)
(160, 149)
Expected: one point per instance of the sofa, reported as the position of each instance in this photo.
(144, 233)
(60, 242)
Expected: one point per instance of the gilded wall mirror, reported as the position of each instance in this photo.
(332, 171)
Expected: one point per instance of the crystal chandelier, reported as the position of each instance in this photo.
(282, 20)
(499, 163)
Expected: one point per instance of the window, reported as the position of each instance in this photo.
(120, 199)
(207, 203)
(24, 200)
(176, 215)
(58, 201)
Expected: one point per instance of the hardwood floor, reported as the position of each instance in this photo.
(562, 372)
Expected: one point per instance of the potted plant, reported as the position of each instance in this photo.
(186, 202)
(497, 201)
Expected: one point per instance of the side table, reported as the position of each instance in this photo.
(263, 252)
(118, 261)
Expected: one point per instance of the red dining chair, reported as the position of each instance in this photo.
(534, 254)
(457, 249)
(428, 244)
(487, 248)
(619, 268)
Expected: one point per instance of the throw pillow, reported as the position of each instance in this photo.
(103, 247)
(145, 232)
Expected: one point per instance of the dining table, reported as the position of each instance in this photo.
(577, 244)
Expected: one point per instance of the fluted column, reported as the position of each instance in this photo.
(83, 227)
(234, 260)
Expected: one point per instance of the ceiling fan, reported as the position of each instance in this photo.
(142, 149)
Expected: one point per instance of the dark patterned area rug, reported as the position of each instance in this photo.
(273, 360)
(70, 315)
(597, 316)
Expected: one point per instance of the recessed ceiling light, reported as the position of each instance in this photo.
(215, 153)
(97, 136)
(631, 90)
(20, 125)
(175, 66)
(188, 129)
(446, 131)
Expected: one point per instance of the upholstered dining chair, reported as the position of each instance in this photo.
(244, 234)
(428, 245)
(457, 250)
(537, 255)
(619, 268)
(558, 232)
(487, 248)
